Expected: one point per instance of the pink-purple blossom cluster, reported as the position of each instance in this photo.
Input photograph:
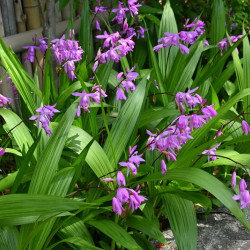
(2, 151)
(116, 46)
(30, 53)
(121, 11)
(46, 113)
(66, 52)
(14, 89)
(126, 196)
(245, 127)
(171, 140)
(244, 195)
(211, 152)
(131, 32)
(133, 161)
(225, 43)
(4, 101)
(89, 98)
(127, 83)
(184, 38)
(99, 8)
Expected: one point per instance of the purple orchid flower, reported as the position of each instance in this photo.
(211, 153)
(45, 115)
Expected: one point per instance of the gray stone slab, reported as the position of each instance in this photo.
(220, 230)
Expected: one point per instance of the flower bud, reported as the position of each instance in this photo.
(120, 179)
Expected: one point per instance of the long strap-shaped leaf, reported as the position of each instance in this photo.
(96, 158)
(156, 73)
(59, 187)
(18, 209)
(246, 70)
(167, 55)
(146, 226)
(8, 238)
(206, 181)
(182, 218)
(115, 232)
(19, 132)
(184, 67)
(48, 161)
(19, 76)
(217, 24)
(125, 123)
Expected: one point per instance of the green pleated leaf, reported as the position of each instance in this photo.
(115, 232)
(48, 161)
(67, 93)
(49, 90)
(210, 69)
(146, 9)
(76, 241)
(246, 71)
(182, 218)
(142, 241)
(61, 182)
(25, 165)
(125, 123)
(156, 72)
(217, 24)
(103, 73)
(184, 67)
(20, 77)
(85, 35)
(157, 113)
(18, 209)
(206, 181)
(75, 228)
(8, 238)
(20, 133)
(59, 187)
(240, 139)
(96, 158)
(241, 158)
(238, 69)
(146, 226)
(153, 19)
(8, 181)
(195, 197)
(167, 55)
(223, 77)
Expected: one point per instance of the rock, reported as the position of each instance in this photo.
(220, 230)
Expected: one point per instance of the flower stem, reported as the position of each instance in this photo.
(113, 241)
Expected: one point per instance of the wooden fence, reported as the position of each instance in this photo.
(20, 20)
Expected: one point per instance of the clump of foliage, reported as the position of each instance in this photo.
(143, 121)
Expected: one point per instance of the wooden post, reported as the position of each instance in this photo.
(32, 12)
(31, 8)
(21, 27)
(1, 25)
(9, 24)
(9, 18)
(17, 41)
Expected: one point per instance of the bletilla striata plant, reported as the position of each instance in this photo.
(115, 161)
